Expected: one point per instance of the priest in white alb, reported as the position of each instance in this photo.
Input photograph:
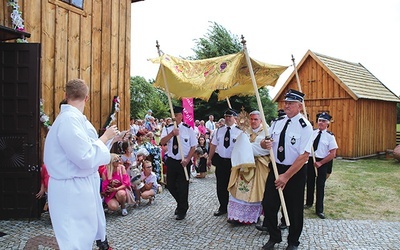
(248, 175)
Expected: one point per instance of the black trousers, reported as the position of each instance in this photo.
(294, 199)
(177, 184)
(222, 173)
(319, 182)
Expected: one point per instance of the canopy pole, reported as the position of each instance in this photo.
(305, 112)
(265, 125)
(229, 103)
(171, 108)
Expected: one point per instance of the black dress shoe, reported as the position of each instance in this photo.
(219, 213)
(180, 216)
(321, 215)
(291, 247)
(269, 246)
(306, 206)
(262, 228)
(282, 226)
(234, 222)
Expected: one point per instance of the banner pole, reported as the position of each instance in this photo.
(229, 103)
(265, 125)
(172, 109)
(305, 112)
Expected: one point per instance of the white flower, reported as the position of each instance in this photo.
(44, 118)
(17, 21)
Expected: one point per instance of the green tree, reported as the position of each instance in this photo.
(144, 97)
(219, 42)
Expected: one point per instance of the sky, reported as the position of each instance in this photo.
(358, 31)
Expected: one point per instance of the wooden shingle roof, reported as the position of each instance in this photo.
(358, 79)
(353, 77)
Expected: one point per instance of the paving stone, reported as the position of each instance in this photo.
(154, 227)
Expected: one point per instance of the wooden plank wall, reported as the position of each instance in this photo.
(376, 129)
(92, 44)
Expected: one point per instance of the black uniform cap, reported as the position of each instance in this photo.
(294, 96)
(178, 109)
(230, 112)
(324, 116)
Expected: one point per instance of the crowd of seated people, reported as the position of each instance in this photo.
(138, 152)
(136, 148)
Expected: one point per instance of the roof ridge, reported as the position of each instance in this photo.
(336, 59)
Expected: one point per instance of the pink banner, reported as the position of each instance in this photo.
(188, 111)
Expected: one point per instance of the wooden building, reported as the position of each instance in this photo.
(363, 108)
(87, 39)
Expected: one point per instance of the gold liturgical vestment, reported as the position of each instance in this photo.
(247, 180)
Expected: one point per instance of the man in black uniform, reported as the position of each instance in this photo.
(291, 141)
(178, 186)
(325, 147)
(221, 148)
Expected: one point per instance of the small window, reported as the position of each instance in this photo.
(76, 3)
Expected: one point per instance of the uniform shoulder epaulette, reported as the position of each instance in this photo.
(184, 124)
(302, 122)
(169, 125)
(236, 126)
(329, 132)
(280, 118)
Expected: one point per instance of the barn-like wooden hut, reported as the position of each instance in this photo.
(88, 39)
(363, 108)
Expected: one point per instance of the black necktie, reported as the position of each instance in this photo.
(227, 137)
(281, 145)
(316, 141)
(175, 145)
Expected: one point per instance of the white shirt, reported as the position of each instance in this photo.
(326, 143)
(151, 178)
(134, 129)
(187, 139)
(196, 131)
(210, 125)
(218, 140)
(298, 139)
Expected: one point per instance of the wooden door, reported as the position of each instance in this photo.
(19, 130)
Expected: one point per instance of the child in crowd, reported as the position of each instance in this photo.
(201, 153)
(149, 178)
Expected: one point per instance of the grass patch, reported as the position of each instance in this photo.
(362, 189)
